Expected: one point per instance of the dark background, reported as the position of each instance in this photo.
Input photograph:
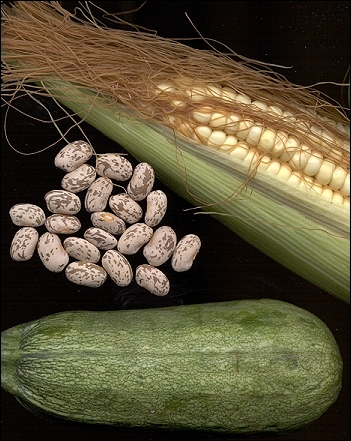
(313, 38)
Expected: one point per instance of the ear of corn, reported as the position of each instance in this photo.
(267, 159)
(300, 229)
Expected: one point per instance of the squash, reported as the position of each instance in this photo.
(234, 366)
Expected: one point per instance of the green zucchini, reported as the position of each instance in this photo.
(237, 366)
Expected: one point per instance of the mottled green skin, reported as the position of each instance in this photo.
(238, 366)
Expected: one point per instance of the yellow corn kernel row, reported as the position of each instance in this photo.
(259, 146)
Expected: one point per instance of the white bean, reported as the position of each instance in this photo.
(117, 267)
(97, 195)
(156, 207)
(185, 252)
(62, 202)
(81, 249)
(114, 166)
(73, 155)
(27, 215)
(62, 224)
(79, 179)
(24, 243)
(141, 182)
(161, 246)
(126, 208)
(52, 253)
(86, 274)
(100, 238)
(134, 238)
(152, 279)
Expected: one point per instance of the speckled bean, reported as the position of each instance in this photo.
(117, 267)
(185, 252)
(86, 274)
(73, 155)
(81, 249)
(108, 222)
(52, 253)
(134, 238)
(141, 182)
(100, 238)
(79, 179)
(114, 166)
(62, 202)
(27, 215)
(97, 195)
(24, 243)
(62, 224)
(161, 246)
(152, 279)
(156, 207)
(126, 208)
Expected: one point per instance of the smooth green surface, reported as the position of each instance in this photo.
(237, 366)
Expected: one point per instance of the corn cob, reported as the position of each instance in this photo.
(313, 160)
(273, 167)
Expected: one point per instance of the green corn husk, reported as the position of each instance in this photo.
(298, 229)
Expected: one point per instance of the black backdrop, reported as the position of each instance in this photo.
(313, 38)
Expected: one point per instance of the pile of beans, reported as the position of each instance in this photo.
(119, 225)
